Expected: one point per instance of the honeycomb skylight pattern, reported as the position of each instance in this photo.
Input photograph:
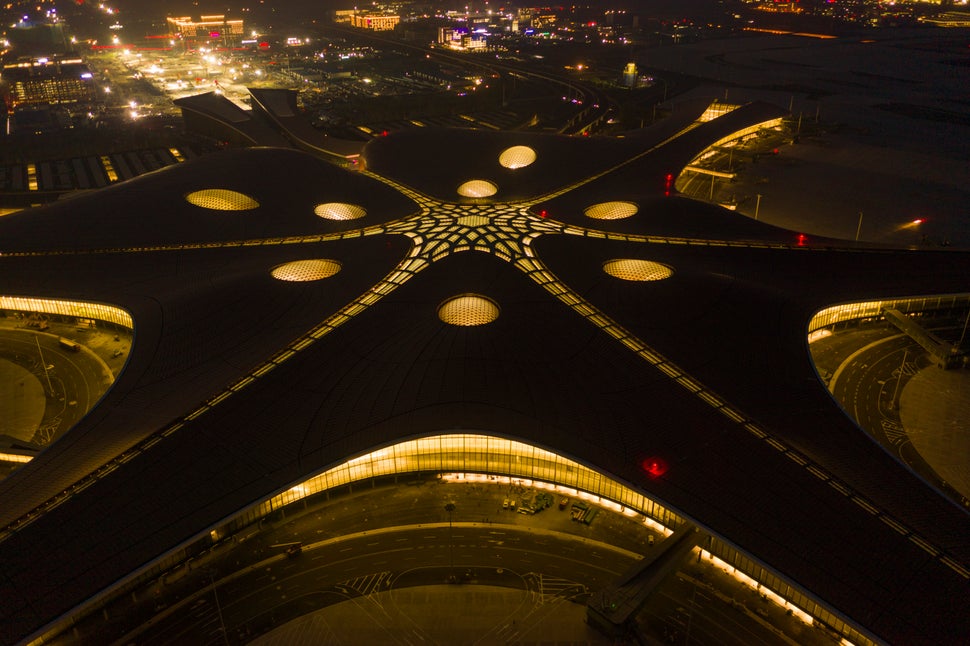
(638, 270)
(468, 310)
(339, 211)
(517, 157)
(306, 270)
(477, 188)
(220, 199)
(611, 210)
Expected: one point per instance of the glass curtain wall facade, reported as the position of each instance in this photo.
(77, 309)
(873, 309)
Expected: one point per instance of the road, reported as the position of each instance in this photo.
(365, 566)
(869, 382)
(72, 381)
(379, 559)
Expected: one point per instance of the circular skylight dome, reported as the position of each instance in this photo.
(639, 270)
(220, 199)
(339, 211)
(477, 188)
(468, 310)
(611, 210)
(517, 157)
(305, 270)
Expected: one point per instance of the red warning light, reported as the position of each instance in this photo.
(802, 238)
(543, 213)
(655, 467)
(668, 182)
(384, 133)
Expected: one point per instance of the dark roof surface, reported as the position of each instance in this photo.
(207, 312)
(219, 109)
(280, 107)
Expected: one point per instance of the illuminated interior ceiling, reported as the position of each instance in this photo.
(705, 371)
(306, 270)
(517, 157)
(637, 270)
(339, 211)
(218, 199)
(468, 310)
(611, 210)
(477, 188)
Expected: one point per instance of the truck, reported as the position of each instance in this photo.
(67, 344)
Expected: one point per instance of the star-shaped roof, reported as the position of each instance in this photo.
(628, 323)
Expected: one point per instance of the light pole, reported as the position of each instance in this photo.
(450, 507)
(964, 333)
(757, 206)
(215, 594)
(858, 229)
(43, 364)
(893, 404)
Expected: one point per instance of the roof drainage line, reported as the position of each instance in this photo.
(407, 269)
(561, 191)
(376, 229)
(404, 189)
(533, 267)
(587, 232)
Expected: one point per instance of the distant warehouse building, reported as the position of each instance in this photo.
(47, 81)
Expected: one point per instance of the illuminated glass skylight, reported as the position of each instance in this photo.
(220, 199)
(339, 211)
(306, 270)
(639, 270)
(611, 210)
(517, 157)
(468, 310)
(477, 188)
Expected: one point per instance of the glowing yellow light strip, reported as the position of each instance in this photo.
(15, 457)
(79, 309)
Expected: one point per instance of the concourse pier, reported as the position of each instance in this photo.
(611, 610)
(945, 354)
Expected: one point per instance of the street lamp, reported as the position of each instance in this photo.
(450, 507)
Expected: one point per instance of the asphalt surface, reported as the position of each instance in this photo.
(71, 383)
(382, 565)
(869, 371)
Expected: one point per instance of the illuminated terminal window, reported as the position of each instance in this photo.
(306, 270)
(468, 310)
(477, 188)
(873, 309)
(220, 199)
(339, 211)
(611, 210)
(77, 309)
(483, 454)
(638, 270)
(517, 157)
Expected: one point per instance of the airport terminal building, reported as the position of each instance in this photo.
(542, 308)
